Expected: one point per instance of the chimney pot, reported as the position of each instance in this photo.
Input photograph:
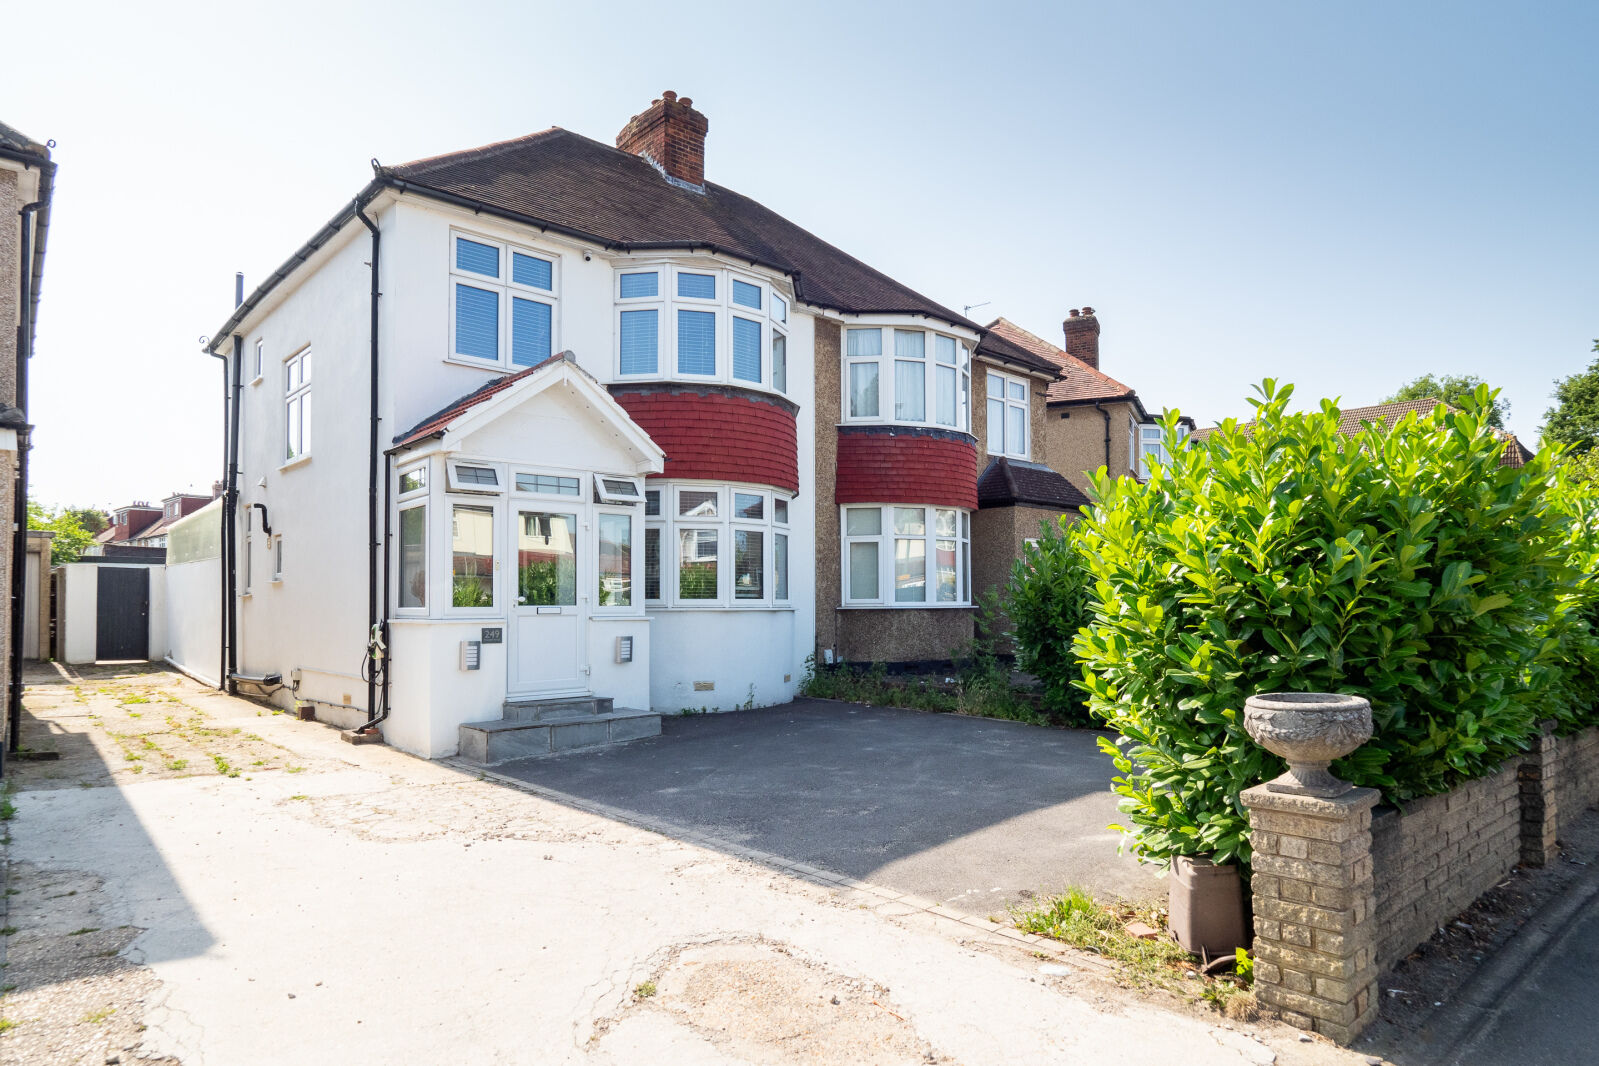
(670, 134)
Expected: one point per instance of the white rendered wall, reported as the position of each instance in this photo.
(743, 654)
(194, 618)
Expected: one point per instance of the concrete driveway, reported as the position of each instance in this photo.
(970, 812)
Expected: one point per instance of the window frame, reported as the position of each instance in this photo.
(297, 394)
(416, 500)
(455, 483)
(886, 360)
(669, 523)
(1006, 405)
(507, 290)
(884, 540)
(666, 303)
(496, 508)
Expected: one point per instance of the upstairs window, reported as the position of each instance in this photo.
(297, 404)
(503, 302)
(706, 325)
(1152, 446)
(1008, 421)
(907, 376)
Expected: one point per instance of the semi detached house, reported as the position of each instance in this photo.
(537, 441)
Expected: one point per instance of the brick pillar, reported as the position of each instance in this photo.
(1315, 913)
(1538, 775)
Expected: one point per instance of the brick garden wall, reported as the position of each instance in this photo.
(1444, 851)
(1578, 786)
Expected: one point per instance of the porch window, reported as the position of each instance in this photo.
(616, 560)
(297, 404)
(652, 564)
(472, 556)
(413, 557)
(503, 302)
(546, 559)
(922, 553)
(468, 477)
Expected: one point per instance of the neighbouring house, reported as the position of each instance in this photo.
(1350, 420)
(1087, 420)
(595, 439)
(144, 526)
(27, 178)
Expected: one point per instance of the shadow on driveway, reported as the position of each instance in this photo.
(972, 812)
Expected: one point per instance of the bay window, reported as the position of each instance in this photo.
(1008, 420)
(677, 323)
(918, 377)
(502, 302)
(728, 546)
(897, 555)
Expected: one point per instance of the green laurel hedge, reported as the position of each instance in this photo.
(1402, 563)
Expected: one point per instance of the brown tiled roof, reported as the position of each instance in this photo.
(618, 199)
(1079, 382)
(1351, 418)
(993, 346)
(436, 422)
(1011, 481)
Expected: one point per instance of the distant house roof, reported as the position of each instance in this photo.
(1011, 481)
(17, 141)
(1079, 382)
(1351, 418)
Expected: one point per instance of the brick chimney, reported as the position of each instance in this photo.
(1082, 336)
(670, 134)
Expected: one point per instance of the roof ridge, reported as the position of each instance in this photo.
(482, 151)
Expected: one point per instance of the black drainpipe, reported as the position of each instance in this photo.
(377, 630)
(19, 536)
(1106, 415)
(230, 511)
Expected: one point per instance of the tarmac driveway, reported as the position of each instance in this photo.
(971, 812)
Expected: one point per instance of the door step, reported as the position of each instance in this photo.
(582, 708)
(486, 743)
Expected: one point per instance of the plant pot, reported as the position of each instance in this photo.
(1206, 908)
(1309, 730)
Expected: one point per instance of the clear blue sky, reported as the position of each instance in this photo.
(1341, 195)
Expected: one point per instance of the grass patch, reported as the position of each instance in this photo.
(223, 766)
(980, 694)
(1076, 918)
(6, 1025)
(98, 1017)
(85, 930)
(644, 990)
(8, 808)
(177, 764)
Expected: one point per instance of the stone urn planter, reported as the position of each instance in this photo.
(1310, 730)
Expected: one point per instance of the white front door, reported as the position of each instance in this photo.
(549, 599)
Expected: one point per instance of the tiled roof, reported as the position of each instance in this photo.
(1011, 481)
(1079, 383)
(18, 141)
(1350, 419)
(994, 346)
(439, 420)
(619, 199)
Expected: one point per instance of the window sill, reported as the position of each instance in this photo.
(299, 460)
(885, 423)
(906, 607)
(479, 364)
(658, 606)
(609, 617)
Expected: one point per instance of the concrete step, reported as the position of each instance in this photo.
(486, 743)
(563, 710)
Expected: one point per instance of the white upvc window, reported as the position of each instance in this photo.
(276, 545)
(700, 324)
(472, 555)
(1152, 446)
(1132, 447)
(898, 555)
(475, 477)
(297, 405)
(503, 302)
(715, 546)
(1008, 420)
(260, 359)
(907, 376)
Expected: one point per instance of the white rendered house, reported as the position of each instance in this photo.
(555, 434)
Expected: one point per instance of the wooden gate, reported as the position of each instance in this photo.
(122, 618)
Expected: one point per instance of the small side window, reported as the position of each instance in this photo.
(467, 477)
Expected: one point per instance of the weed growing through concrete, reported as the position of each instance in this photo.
(8, 809)
(86, 929)
(1076, 918)
(98, 1017)
(177, 764)
(6, 1024)
(644, 990)
(9, 930)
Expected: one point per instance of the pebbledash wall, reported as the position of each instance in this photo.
(1341, 893)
